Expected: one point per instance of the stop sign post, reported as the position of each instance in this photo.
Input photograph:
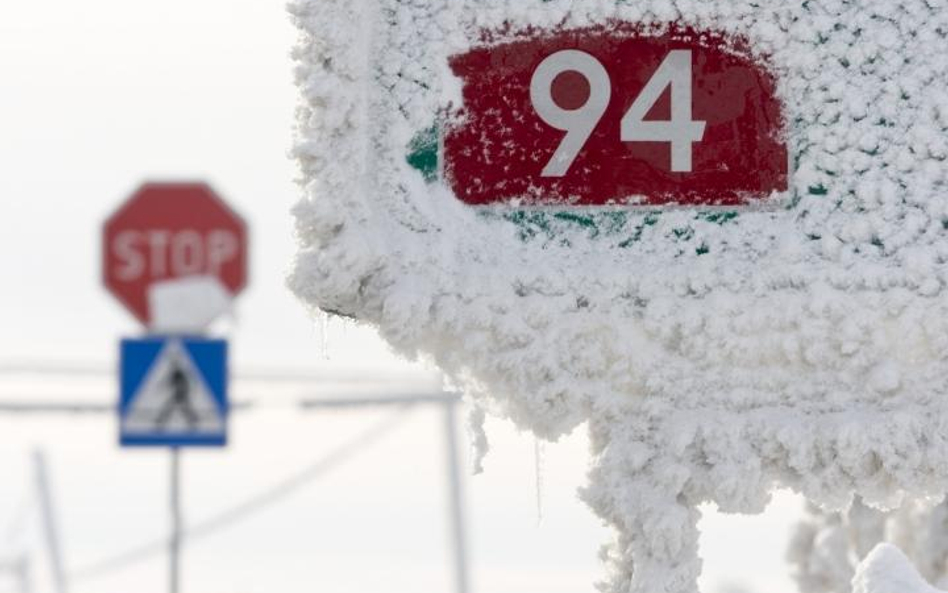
(167, 231)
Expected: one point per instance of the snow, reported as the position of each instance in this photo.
(188, 304)
(709, 360)
(827, 547)
(887, 570)
(476, 419)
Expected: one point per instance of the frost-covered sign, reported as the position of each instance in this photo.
(715, 232)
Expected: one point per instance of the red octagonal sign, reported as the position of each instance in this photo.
(172, 230)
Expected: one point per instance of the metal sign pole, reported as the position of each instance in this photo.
(457, 507)
(174, 542)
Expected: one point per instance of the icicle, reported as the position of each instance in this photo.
(538, 475)
(478, 436)
(324, 334)
(346, 324)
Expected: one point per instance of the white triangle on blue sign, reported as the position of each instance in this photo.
(173, 399)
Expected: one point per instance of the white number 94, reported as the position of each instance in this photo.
(680, 131)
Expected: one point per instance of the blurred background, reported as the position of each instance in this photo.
(96, 97)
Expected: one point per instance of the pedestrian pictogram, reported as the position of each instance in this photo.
(180, 387)
(173, 391)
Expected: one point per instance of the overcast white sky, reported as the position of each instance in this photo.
(96, 96)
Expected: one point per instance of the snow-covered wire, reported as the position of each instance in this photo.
(62, 406)
(264, 374)
(305, 403)
(251, 505)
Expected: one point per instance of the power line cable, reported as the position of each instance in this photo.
(250, 506)
(253, 374)
(25, 407)
(22, 406)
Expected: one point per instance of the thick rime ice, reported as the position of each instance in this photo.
(803, 346)
(826, 547)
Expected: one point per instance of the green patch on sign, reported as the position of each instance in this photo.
(550, 223)
(423, 153)
(624, 226)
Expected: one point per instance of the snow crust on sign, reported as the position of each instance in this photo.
(804, 345)
(188, 304)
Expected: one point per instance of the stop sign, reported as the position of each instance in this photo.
(166, 231)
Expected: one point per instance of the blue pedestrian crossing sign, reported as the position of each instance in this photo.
(173, 392)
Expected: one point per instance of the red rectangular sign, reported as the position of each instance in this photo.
(606, 116)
